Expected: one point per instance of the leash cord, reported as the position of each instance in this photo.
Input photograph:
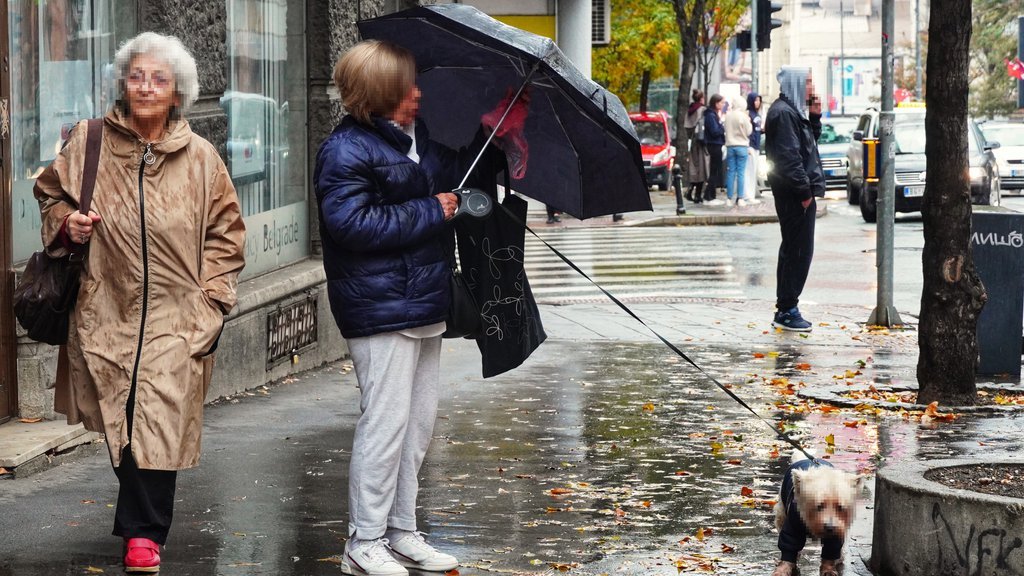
(781, 434)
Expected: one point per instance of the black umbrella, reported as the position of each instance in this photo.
(584, 156)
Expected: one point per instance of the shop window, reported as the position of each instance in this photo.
(266, 147)
(61, 54)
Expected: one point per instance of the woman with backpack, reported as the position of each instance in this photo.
(714, 140)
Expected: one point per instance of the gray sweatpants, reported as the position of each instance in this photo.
(398, 380)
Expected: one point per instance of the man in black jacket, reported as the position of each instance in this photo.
(792, 127)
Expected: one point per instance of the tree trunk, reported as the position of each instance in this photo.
(953, 295)
(688, 45)
(645, 85)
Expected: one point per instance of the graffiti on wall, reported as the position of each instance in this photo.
(992, 550)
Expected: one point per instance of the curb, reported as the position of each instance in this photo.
(833, 395)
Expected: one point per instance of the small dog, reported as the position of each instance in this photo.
(819, 501)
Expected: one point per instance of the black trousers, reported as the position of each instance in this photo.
(797, 249)
(716, 174)
(145, 501)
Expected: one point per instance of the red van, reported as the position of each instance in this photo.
(656, 146)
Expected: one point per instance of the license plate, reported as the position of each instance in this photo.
(836, 172)
(913, 191)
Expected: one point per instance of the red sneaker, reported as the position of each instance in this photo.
(141, 555)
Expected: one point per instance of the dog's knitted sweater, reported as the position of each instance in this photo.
(793, 536)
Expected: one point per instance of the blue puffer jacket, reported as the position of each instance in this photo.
(382, 229)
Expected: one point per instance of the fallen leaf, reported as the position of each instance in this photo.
(559, 491)
(758, 354)
(678, 472)
(734, 461)
(803, 366)
(93, 570)
(88, 501)
(746, 491)
(331, 559)
(649, 407)
(700, 534)
(4, 471)
(452, 572)
(830, 440)
(29, 420)
(726, 549)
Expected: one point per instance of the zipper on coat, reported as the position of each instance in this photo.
(147, 158)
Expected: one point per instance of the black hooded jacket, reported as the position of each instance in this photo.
(792, 148)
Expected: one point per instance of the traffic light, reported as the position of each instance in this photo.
(765, 22)
(743, 40)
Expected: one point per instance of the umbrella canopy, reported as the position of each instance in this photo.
(584, 157)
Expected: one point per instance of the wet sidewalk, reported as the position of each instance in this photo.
(603, 454)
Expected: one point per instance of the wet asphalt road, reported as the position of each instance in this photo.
(597, 456)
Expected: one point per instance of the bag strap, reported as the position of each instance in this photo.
(93, 139)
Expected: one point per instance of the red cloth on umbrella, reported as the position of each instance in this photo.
(509, 136)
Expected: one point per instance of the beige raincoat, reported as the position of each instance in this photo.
(161, 273)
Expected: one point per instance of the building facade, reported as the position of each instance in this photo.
(266, 101)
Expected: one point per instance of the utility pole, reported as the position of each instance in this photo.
(1020, 54)
(885, 313)
(842, 58)
(917, 50)
(753, 47)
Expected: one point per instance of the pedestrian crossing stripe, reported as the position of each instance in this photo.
(635, 265)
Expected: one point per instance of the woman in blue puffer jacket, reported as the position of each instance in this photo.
(382, 187)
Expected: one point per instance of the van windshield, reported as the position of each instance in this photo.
(910, 136)
(650, 133)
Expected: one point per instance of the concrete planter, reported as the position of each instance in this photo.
(924, 528)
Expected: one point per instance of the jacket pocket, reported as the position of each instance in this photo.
(209, 326)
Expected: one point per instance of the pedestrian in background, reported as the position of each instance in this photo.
(697, 172)
(714, 140)
(754, 153)
(737, 142)
(165, 240)
(793, 125)
(382, 186)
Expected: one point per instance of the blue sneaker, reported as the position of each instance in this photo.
(791, 320)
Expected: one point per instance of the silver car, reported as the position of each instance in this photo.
(1009, 154)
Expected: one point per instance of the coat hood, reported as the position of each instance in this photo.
(131, 144)
(751, 98)
(793, 84)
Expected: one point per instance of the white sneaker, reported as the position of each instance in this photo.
(370, 558)
(742, 202)
(715, 202)
(412, 551)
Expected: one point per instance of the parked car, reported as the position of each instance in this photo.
(1009, 153)
(910, 164)
(652, 128)
(836, 135)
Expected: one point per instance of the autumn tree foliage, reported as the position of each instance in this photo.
(644, 39)
(993, 90)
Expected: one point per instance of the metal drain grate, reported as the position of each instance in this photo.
(291, 329)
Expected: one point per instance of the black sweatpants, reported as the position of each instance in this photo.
(796, 250)
(145, 501)
(716, 172)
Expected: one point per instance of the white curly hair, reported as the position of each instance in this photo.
(167, 49)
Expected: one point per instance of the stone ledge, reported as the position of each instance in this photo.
(21, 442)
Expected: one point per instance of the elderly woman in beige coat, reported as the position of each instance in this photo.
(165, 246)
